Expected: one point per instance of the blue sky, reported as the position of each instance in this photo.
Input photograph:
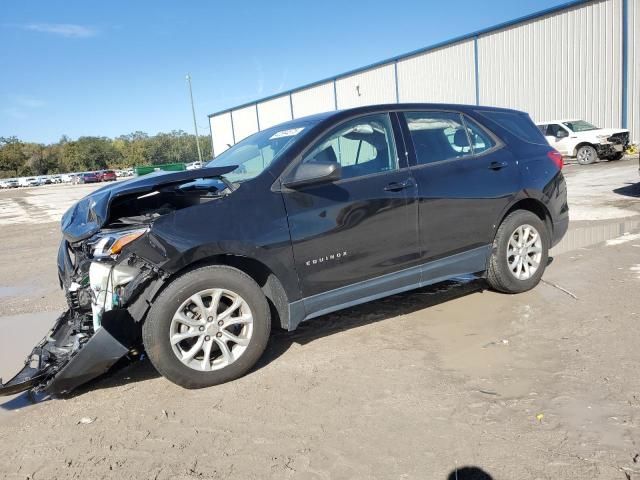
(109, 68)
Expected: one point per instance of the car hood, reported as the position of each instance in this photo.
(90, 213)
(605, 131)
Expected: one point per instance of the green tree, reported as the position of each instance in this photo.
(96, 153)
(12, 156)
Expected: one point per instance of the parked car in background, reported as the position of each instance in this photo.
(31, 182)
(294, 222)
(44, 180)
(10, 183)
(88, 177)
(193, 165)
(106, 175)
(56, 178)
(584, 141)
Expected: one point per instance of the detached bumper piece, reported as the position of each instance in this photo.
(68, 357)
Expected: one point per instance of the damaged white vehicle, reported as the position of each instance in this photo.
(584, 141)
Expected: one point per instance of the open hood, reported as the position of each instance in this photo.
(90, 213)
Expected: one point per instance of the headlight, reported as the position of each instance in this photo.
(112, 244)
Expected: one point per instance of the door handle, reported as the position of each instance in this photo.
(497, 165)
(397, 186)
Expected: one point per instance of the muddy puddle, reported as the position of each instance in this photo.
(22, 333)
(11, 291)
(586, 236)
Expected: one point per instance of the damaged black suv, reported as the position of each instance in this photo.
(296, 221)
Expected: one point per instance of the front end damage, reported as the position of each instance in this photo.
(96, 331)
(107, 286)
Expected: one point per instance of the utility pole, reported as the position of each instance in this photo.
(195, 125)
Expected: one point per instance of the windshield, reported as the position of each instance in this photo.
(255, 153)
(579, 126)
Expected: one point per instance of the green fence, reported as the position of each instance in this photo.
(168, 167)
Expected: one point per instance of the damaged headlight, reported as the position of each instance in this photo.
(113, 243)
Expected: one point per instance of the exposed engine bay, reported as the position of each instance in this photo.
(108, 288)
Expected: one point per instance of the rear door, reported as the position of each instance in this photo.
(361, 227)
(466, 178)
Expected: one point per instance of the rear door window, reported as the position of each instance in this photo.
(481, 141)
(518, 124)
(438, 136)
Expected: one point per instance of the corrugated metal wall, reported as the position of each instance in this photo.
(564, 65)
(313, 100)
(274, 111)
(567, 63)
(377, 85)
(221, 132)
(443, 75)
(633, 95)
(245, 122)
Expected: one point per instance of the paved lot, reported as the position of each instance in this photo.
(532, 386)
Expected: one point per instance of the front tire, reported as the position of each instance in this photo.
(520, 253)
(586, 155)
(208, 326)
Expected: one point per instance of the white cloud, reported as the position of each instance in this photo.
(69, 30)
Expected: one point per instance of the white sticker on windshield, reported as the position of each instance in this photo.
(286, 133)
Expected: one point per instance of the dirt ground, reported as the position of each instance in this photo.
(540, 385)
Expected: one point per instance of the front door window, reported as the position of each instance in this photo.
(362, 147)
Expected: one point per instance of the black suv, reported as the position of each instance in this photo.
(296, 221)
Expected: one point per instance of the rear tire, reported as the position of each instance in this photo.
(506, 273)
(219, 343)
(586, 155)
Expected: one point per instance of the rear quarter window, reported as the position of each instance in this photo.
(518, 124)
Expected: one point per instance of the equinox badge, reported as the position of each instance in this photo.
(327, 258)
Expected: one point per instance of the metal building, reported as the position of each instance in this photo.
(580, 60)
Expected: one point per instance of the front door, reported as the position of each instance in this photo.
(466, 180)
(560, 143)
(361, 227)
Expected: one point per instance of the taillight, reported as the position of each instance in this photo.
(556, 158)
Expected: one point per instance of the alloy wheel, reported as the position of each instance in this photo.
(524, 252)
(211, 329)
(586, 156)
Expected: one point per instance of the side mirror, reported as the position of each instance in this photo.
(562, 133)
(314, 173)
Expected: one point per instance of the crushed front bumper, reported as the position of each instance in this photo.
(69, 356)
(107, 302)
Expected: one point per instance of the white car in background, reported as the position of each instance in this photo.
(584, 141)
(194, 165)
(28, 182)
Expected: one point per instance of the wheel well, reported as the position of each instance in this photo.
(582, 144)
(261, 274)
(534, 206)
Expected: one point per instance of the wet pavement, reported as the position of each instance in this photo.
(21, 333)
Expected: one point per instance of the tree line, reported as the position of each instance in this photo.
(21, 159)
